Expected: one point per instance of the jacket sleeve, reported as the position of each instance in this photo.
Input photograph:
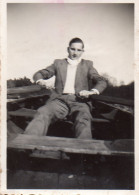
(45, 73)
(100, 83)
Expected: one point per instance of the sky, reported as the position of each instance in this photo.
(39, 33)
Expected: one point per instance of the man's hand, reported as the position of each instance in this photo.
(45, 83)
(86, 94)
(41, 82)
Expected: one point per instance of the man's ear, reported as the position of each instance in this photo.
(67, 49)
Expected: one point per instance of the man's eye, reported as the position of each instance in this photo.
(75, 49)
(72, 49)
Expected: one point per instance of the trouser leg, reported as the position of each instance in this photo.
(82, 119)
(46, 115)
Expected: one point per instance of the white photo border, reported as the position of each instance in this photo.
(3, 143)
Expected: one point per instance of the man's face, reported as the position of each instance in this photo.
(75, 51)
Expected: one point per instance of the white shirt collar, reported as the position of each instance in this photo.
(74, 62)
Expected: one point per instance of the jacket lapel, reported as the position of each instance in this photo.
(78, 74)
(63, 71)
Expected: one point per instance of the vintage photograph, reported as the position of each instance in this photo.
(70, 96)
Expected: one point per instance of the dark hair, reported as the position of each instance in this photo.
(76, 40)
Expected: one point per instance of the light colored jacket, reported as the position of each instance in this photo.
(84, 74)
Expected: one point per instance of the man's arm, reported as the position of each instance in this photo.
(41, 76)
(45, 73)
(100, 86)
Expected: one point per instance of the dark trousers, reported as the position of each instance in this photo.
(65, 105)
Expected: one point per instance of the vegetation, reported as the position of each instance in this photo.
(19, 82)
(122, 91)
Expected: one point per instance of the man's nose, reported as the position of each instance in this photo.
(75, 51)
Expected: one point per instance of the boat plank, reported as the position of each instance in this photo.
(71, 145)
(24, 89)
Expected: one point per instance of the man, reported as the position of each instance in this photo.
(71, 94)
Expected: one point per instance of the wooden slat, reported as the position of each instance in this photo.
(113, 100)
(13, 128)
(126, 109)
(49, 154)
(72, 145)
(23, 112)
(16, 100)
(30, 113)
(19, 96)
(25, 89)
(46, 154)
